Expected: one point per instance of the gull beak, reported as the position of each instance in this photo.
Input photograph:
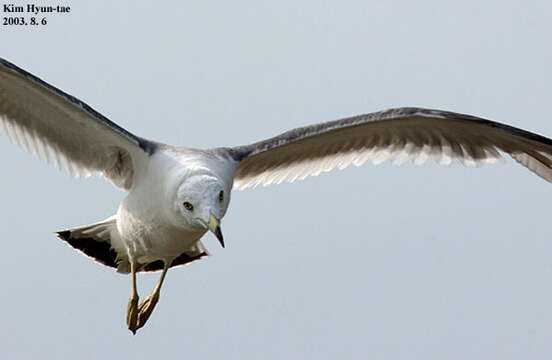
(214, 226)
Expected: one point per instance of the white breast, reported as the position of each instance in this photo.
(146, 219)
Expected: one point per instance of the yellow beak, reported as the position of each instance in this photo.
(214, 226)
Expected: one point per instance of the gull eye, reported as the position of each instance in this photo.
(221, 196)
(188, 206)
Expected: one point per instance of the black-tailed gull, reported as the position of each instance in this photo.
(176, 194)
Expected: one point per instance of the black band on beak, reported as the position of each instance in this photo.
(218, 234)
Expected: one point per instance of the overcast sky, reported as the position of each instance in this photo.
(379, 262)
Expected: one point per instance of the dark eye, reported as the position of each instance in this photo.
(221, 196)
(188, 206)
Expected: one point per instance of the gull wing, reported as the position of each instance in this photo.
(396, 135)
(65, 131)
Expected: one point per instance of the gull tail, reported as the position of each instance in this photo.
(101, 242)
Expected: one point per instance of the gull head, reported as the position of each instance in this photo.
(201, 202)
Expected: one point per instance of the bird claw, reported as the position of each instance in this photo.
(146, 308)
(132, 314)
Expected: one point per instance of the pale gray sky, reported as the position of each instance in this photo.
(373, 262)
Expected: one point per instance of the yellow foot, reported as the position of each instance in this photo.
(132, 314)
(146, 308)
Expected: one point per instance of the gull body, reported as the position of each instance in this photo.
(151, 221)
(177, 194)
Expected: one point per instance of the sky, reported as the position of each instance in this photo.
(379, 262)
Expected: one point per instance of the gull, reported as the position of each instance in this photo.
(176, 194)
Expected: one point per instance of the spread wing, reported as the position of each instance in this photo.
(396, 135)
(63, 130)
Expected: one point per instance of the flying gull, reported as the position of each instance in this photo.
(176, 194)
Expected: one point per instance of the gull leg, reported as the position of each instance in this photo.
(148, 304)
(132, 307)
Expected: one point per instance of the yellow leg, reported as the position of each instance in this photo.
(148, 304)
(132, 308)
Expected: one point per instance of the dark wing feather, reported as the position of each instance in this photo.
(396, 135)
(182, 259)
(65, 131)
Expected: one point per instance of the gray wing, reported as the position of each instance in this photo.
(394, 135)
(63, 130)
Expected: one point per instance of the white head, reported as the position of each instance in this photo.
(201, 202)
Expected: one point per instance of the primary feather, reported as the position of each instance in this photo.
(396, 135)
(65, 131)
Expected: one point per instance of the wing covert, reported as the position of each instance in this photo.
(396, 135)
(65, 131)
